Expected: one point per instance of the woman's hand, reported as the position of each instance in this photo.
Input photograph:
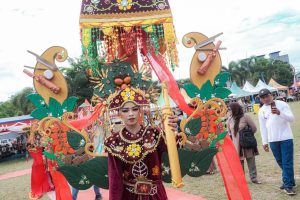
(173, 119)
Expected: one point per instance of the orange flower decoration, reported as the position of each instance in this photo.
(60, 140)
(124, 4)
(208, 124)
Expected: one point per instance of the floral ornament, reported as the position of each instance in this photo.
(128, 94)
(133, 150)
(58, 134)
(208, 124)
(84, 180)
(124, 4)
(144, 188)
(155, 171)
(194, 168)
(165, 169)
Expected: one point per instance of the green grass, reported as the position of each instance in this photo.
(16, 188)
(14, 165)
(209, 186)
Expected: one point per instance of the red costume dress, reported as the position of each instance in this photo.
(134, 165)
(39, 177)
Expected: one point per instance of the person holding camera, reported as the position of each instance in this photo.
(274, 119)
(241, 125)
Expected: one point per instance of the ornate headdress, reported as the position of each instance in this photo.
(129, 94)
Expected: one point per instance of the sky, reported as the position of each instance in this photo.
(250, 27)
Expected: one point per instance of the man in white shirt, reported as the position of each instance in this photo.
(274, 120)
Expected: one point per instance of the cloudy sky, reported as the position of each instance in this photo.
(249, 28)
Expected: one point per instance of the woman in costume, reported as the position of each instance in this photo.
(134, 153)
(40, 179)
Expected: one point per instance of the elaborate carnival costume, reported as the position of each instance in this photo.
(113, 34)
(134, 160)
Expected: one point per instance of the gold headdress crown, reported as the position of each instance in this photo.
(129, 94)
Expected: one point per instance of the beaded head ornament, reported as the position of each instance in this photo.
(129, 94)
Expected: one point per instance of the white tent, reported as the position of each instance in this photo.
(238, 92)
(261, 85)
(249, 88)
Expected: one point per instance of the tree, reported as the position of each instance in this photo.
(78, 83)
(253, 69)
(21, 102)
(281, 72)
(7, 109)
(235, 73)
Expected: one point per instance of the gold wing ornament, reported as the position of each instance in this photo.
(48, 81)
(206, 62)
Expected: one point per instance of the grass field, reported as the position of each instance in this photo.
(209, 186)
(14, 165)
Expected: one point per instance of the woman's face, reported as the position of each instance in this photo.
(129, 113)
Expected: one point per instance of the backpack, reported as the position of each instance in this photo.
(247, 139)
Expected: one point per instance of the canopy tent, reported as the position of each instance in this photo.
(261, 85)
(276, 85)
(249, 88)
(16, 124)
(295, 85)
(238, 92)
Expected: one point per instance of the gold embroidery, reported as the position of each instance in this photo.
(144, 154)
(155, 171)
(126, 174)
(131, 141)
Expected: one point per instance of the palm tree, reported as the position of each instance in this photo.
(235, 73)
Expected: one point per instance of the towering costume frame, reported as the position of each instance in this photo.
(116, 36)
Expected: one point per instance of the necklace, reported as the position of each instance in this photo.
(131, 141)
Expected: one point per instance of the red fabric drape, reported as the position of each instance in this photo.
(164, 74)
(86, 121)
(62, 188)
(232, 172)
(228, 160)
(39, 177)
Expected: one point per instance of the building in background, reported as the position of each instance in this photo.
(275, 56)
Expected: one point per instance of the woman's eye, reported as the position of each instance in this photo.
(135, 109)
(124, 111)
